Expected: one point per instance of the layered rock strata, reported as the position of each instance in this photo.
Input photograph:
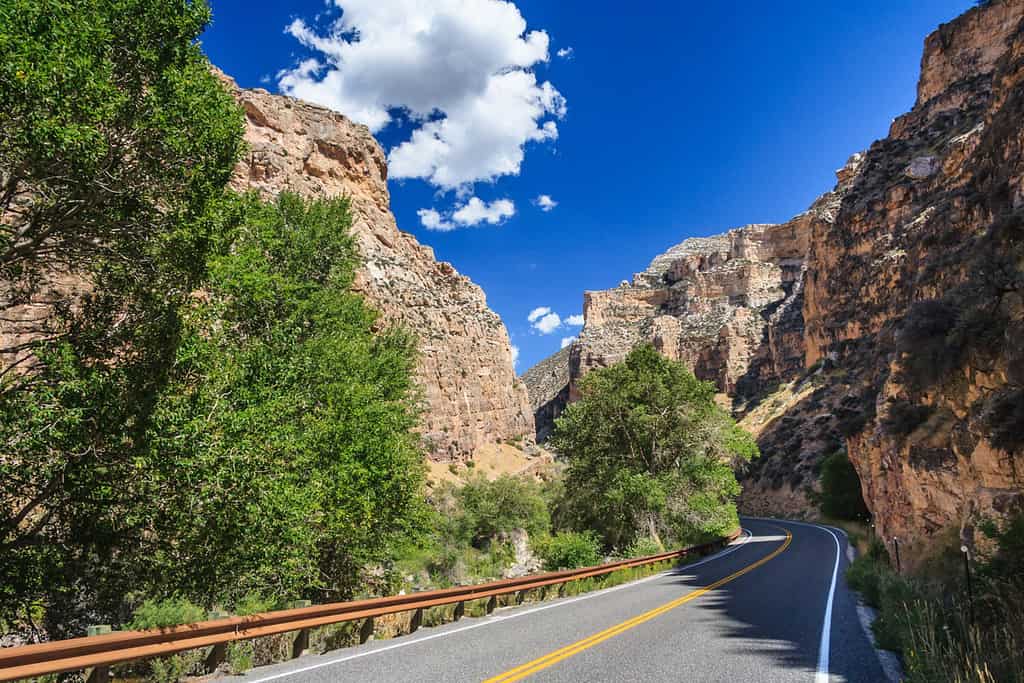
(915, 293)
(472, 396)
(547, 383)
(888, 319)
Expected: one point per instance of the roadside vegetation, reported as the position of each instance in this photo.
(929, 618)
(649, 455)
(209, 419)
(927, 615)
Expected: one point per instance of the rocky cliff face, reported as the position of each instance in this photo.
(472, 395)
(888, 318)
(547, 383)
(914, 293)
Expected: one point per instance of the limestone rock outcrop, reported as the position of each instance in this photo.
(888, 319)
(472, 395)
(915, 293)
(547, 383)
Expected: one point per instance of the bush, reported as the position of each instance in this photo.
(165, 613)
(569, 550)
(903, 417)
(488, 508)
(1004, 419)
(841, 496)
(643, 547)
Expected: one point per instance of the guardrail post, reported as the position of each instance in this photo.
(366, 630)
(218, 653)
(492, 603)
(520, 597)
(416, 621)
(99, 674)
(460, 610)
(300, 644)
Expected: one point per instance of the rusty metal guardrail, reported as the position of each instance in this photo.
(101, 651)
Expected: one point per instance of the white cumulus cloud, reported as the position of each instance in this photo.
(575, 320)
(476, 211)
(469, 214)
(538, 313)
(515, 355)
(565, 53)
(548, 323)
(432, 220)
(545, 202)
(459, 70)
(567, 340)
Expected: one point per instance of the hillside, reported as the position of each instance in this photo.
(885, 319)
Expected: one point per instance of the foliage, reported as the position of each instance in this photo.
(928, 618)
(569, 550)
(287, 420)
(643, 546)
(117, 139)
(1004, 418)
(488, 508)
(163, 613)
(841, 495)
(649, 454)
(471, 526)
(903, 417)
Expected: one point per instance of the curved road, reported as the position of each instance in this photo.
(771, 607)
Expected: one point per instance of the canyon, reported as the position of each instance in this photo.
(886, 319)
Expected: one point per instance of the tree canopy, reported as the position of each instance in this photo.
(649, 453)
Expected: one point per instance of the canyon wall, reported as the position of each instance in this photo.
(887, 319)
(914, 292)
(471, 393)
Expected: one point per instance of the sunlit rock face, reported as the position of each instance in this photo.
(472, 396)
(935, 214)
(799, 324)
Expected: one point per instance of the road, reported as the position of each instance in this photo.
(771, 607)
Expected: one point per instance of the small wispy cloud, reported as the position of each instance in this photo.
(545, 202)
(567, 340)
(566, 53)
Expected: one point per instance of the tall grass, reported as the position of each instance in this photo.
(929, 620)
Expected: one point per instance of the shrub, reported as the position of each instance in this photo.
(1004, 419)
(643, 547)
(488, 508)
(903, 417)
(569, 550)
(841, 495)
(165, 613)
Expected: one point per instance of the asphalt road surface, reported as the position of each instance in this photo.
(773, 606)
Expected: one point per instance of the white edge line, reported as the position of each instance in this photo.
(736, 545)
(826, 626)
(822, 674)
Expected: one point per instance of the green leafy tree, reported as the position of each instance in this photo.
(488, 508)
(841, 495)
(649, 453)
(116, 138)
(282, 457)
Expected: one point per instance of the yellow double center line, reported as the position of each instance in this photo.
(521, 672)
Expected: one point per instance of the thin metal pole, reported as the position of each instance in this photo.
(896, 549)
(970, 587)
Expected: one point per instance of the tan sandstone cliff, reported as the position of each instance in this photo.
(915, 291)
(888, 319)
(472, 395)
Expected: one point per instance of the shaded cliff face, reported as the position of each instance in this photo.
(547, 383)
(888, 319)
(472, 395)
(915, 291)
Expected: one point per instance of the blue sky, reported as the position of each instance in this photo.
(673, 120)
